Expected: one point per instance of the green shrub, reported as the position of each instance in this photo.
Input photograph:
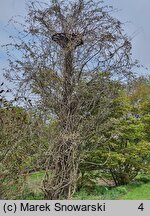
(145, 178)
(100, 190)
(115, 193)
(121, 190)
(84, 195)
(32, 196)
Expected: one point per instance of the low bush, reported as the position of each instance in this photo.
(145, 178)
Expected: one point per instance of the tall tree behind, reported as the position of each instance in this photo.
(64, 46)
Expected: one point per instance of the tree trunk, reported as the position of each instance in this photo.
(65, 153)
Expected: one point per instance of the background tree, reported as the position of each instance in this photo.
(127, 136)
(64, 46)
(23, 143)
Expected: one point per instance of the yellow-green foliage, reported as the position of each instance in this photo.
(124, 147)
(22, 143)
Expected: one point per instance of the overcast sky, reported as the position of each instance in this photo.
(134, 13)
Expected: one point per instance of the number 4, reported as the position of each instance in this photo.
(141, 207)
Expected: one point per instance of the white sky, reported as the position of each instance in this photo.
(135, 14)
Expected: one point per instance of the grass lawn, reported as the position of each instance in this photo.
(128, 192)
(133, 191)
(141, 192)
